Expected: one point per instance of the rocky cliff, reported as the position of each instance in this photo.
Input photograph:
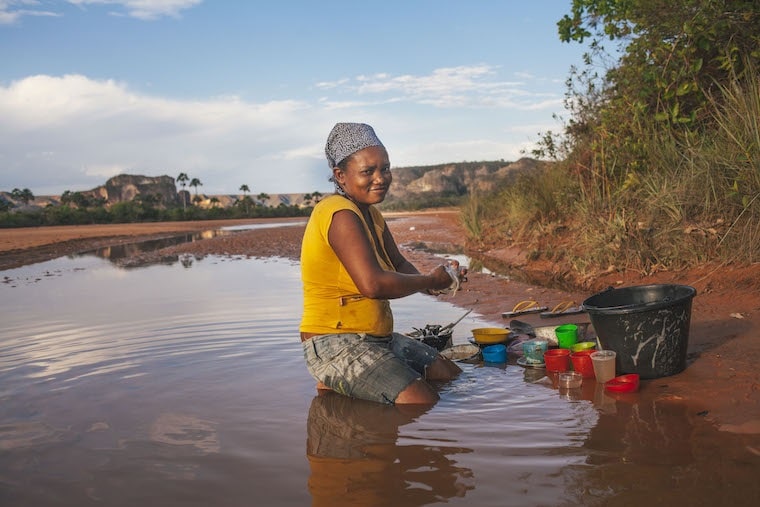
(125, 187)
(459, 179)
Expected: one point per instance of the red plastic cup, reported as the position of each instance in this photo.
(582, 363)
(557, 360)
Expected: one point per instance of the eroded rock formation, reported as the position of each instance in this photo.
(126, 187)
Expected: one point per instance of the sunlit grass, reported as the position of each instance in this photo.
(696, 198)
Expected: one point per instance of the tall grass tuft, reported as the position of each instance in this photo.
(737, 154)
(471, 216)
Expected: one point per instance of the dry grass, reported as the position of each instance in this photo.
(697, 199)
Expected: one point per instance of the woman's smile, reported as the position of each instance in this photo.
(367, 175)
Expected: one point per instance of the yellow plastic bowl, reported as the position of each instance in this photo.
(489, 335)
(582, 346)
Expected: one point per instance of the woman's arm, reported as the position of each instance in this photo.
(348, 239)
(400, 262)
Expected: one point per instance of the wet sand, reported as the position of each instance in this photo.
(720, 382)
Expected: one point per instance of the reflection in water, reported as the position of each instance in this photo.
(181, 429)
(116, 253)
(355, 459)
(127, 255)
(657, 451)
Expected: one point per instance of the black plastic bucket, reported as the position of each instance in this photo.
(647, 326)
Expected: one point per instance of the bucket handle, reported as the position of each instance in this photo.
(663, 301)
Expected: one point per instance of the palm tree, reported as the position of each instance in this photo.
(214, 201)
(244, 188)
(194, 183)
(262, 197)
(182, 180)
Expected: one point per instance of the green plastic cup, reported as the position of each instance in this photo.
(567, 335)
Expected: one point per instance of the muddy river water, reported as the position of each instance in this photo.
(184, 384)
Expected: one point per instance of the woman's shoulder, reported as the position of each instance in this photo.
(333, 203)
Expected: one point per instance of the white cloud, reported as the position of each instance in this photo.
(75, 131)
(145, 9)
(12, 11)
(474, 86)
(332, 84)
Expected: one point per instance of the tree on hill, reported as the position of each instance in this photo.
(66, 197)
(24, 195)
(312, 197)
(79, 199)
(245, 203)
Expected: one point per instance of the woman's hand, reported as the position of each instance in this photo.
(455, 275)
(441, 278)
(461, 271)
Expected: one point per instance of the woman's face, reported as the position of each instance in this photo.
(367, 175)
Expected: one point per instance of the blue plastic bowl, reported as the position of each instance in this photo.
(495, 353)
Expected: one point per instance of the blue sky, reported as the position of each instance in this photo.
(245, 92)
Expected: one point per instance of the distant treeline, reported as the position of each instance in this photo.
(140, 211)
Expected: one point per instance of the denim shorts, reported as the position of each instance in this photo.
(368, 367)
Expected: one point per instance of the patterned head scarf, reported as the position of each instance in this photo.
(346, 139)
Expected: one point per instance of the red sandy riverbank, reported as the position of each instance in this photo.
(721, 382)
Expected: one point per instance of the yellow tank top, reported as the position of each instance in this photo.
(332, 303)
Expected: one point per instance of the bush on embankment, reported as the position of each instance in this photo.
(659, 165)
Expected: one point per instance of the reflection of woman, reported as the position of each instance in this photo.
(355, 460)
(350, 267)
